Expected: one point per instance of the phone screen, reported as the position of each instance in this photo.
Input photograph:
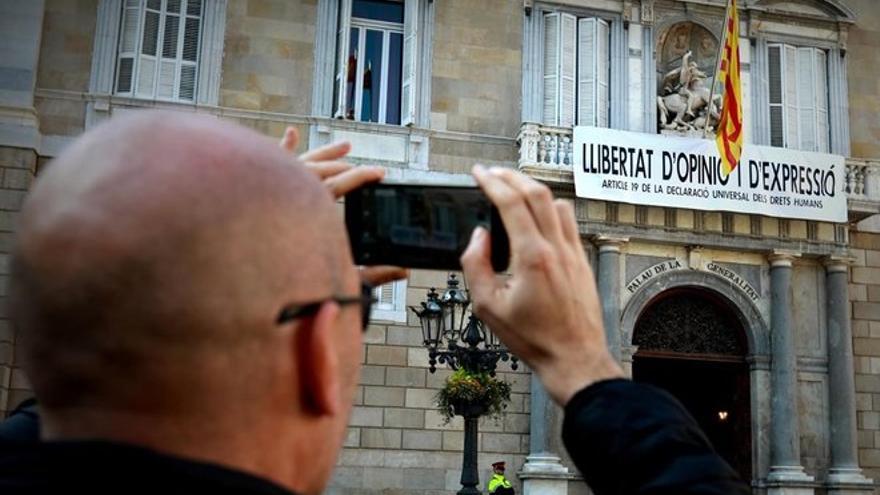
(416, 226)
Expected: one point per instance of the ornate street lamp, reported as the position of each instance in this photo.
(454, 336)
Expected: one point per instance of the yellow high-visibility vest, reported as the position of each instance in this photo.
(498, 480)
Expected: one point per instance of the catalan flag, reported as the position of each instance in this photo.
(729, 136)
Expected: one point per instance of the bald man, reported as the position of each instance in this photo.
(191, 319)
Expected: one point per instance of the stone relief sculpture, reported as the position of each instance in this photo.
(687, 57)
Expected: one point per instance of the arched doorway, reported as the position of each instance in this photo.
(691, 344)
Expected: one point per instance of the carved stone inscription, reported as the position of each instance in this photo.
(649, 273)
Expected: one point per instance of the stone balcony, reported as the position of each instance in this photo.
(546, 153)
(863, 188)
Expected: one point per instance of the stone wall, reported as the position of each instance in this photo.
(864, 292)
(268, 62)
(864, 93)
(477, 67)
(17, 167)
(65, 63)
(395, 423)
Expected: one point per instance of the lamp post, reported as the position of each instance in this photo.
(454, 336)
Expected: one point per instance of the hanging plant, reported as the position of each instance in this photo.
(473, 394)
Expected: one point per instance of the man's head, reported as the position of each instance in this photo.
(498, 467)
(151, 263)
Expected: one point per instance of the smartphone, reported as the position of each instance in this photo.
(418, 226)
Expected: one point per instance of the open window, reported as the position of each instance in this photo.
(376, 61)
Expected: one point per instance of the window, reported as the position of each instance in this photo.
(798, 78)
(390, 302)
(376, 61)
(158, 52)
(576, 70)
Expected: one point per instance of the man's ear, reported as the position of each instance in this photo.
(318, 362)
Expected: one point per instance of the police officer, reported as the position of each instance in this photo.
(498, 484)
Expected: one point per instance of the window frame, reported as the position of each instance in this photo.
(137, 55)
(836, 83)
(533, 62)
(386, 28)
(579, 73)
(787, 108)
(395, 311)
(418, 21)
(102, 79)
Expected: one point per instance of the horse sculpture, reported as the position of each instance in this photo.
(685, 104)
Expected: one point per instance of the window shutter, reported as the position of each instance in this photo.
(822, 139)
(592, 68)
(806, 87)
(146, 78)
(343, 36)
(128, 41)
(191, 40)
(390, 302)
(169, 37)
(774, 72)
(194, 7)
(603, 72)
(567, 69)
(586, 68)
(151, 33)
(167, 70)
(189, 52)
(789, 97)
(385, 296)
(410, 62)
(551, 68)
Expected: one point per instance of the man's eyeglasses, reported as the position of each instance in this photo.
(366, 300)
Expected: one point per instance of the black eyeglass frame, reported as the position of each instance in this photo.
(297, 310)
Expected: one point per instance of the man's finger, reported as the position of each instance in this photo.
(289, 140)
(378, 275)
(568, 222)
(328, 169)
(515, 213)
(476, 263)
(540, 201)
(333, 151)
(341, 184)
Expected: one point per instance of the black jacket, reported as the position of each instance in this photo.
(630, 438)
(625, 438)
(111, 468)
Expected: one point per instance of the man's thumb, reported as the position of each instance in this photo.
(476, 263)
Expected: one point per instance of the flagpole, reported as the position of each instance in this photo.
(717, 68)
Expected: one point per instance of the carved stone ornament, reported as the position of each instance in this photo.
(685, 69)
(647, 14)
(690, 324)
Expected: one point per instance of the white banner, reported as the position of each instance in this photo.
(676, 172)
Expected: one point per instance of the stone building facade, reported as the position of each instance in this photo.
(783, 314)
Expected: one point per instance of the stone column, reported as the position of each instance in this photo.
(787, 476)
(608, 275)
(844, 476)
(543, 473)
